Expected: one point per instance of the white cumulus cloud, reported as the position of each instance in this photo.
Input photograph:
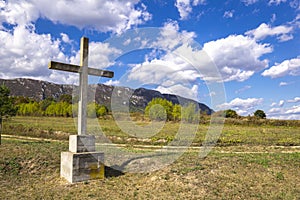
(185, 7)
(19, 12)
(179, 70)
(294, 110)
(171, 37)
(287, 67)
(281, 103)
(181, 90)
(171, 73)
(276, 2)
(249, 2)
(112, 82)
(295, 100)
(283, 84)
(286, 112)
(282, 32)
(228, 14)
(65, 38)
(24, 53)
(237, 56)
(101, 15)
(99, 55)
(242, 106)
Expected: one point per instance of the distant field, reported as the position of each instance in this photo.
(61, 128)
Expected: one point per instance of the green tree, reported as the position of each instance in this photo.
(21, 99)
(59, 109)
(176, 113)
(66, 109)
(63, 109)
(96, 110)
(66, 98)
(45, 103)
(189, 113)
(230, 114)
(157, 112)
(35, 109)
(101, 110)
(260, 114)
(50, 110)
(91, 110)
(29, 109)
(159, 109)
(7, 107)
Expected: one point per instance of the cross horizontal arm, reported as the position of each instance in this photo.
(64, 67)
(77, 69)
(102, 73)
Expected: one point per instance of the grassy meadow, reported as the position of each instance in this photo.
(248, 162)
(233, 133)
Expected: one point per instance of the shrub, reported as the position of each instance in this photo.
(230, 114)
(260, 114)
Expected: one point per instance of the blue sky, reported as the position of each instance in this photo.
(184, 47)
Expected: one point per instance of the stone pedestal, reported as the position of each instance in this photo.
(82, 163)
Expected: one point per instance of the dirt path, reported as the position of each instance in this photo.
(26, 138)
(240, 149)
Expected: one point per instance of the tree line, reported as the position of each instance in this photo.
(158, 109)
(259, 114)
(63, 107)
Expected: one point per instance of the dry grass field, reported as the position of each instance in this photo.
(249, 162)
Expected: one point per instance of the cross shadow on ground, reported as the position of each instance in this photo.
(112, 172)
(118, 170)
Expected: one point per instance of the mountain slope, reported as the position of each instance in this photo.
(102, 94)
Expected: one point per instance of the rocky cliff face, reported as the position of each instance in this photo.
(35, 89)
(102, 94)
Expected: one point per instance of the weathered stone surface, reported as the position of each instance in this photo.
(77, 69)
(77, 167)
(81, 143)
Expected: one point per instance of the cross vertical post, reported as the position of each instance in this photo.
(83, 86)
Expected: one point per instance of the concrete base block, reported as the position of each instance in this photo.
(81, 143)
(77, 167)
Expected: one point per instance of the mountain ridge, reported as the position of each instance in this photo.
(102, 94)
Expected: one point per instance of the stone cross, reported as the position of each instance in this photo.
(81, 162)
(83, 71)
